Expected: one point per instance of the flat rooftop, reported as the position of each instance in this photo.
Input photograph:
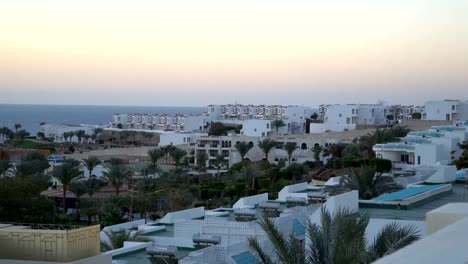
(418, 213)
(140, 257)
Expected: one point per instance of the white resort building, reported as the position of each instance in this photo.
(448, 110)
(162, 122)
(350, 116)
(226, 146)
(55, 131)
(255, 120)
(436, 145)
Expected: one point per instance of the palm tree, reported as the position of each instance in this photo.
(219, 162)
(117, 175)
(65, 136)
(368, 183)
(339, 239)
(202, 157)
(71, 134)
(317, 151)
(91, 163)
(21, 135)
(167, 150)
(66, 174)
(249, 173)
(243, 148)
(177, 154)
(92, 185)
(290, 147)
(117, 238)
(17, 126)
(6, 133)
(379, 136)
(80, 134)
(4, 166)
(399, 131)
(267, 145)
(79, 189)
(96, 133)
(277, 123)
(155, 155)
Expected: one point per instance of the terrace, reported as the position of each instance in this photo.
(418, 213)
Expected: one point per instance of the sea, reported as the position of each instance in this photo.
(31, 116)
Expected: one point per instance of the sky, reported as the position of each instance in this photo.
(197, 52)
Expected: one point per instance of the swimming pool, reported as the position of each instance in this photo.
(408, 192)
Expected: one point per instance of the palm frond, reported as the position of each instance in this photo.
(391, 238)
(315, 252)
(280, 244)
(258, 251)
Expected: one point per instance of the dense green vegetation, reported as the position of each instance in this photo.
(462, 162)
(155, 191)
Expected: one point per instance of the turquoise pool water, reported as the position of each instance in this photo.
(405, 193)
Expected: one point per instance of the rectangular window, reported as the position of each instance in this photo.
(419, 160)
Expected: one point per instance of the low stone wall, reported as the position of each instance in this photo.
(424, 124)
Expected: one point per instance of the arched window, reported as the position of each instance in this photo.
(251, 144)
(303, 146)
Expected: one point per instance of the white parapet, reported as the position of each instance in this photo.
(292, 191)
(348, 201)
(448, 245)
(444, 174)
(250, 201)
(144, 229)
(192, 213)
(445, 215)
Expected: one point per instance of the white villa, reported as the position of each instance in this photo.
(436, 145)
(348, 117)
(448, 110)
(55, 131)
(255, 120)
(162, 122)
(226, 146)
(404, 112)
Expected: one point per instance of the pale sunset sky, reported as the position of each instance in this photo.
(196, 52)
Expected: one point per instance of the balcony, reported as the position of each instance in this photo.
(49, 243)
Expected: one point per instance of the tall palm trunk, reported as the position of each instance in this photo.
(131, 200)
(64, 200)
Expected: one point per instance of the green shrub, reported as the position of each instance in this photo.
(251, 192)
(199, 204)
(381, 165)
(352, 161)
(240, 187)
(264, 183)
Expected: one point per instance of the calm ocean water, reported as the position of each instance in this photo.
(30, 116)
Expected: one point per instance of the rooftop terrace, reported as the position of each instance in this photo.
(418, 213)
